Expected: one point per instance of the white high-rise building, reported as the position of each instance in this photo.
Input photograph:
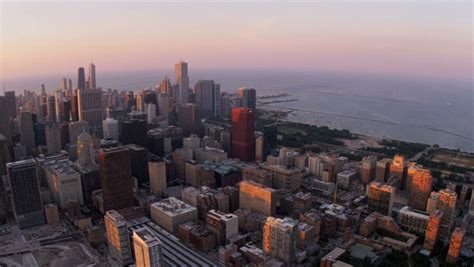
(163, 105)
(182, 81)
(147, 249)
(111, 129)
(151, 112)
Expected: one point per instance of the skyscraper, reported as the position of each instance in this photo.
(279, 238)
(115, 178)
(367, 170)
(81, 79)
(25, 193)
(380, 198)
(118, 237)
(256, 197)
(139, 163)
(270, 141)
(147, 248)
(208, 98)
(455, 245)
(85, 149)
(58, 100)
(243, 134)
(165, 86)
(27, 132)
(157, 173)
(163, 105)
(398, 170)
(90, 109)
(111, 129)
(182, 81)
(446, 203)
(91, 78)
(189, 118)
(10, 102)
(248, 96)
(69, 87)
(4, 154)
(5, 121)
(383, 169)
(75, 129)
(134, 132)
(432, 228)
(53, 138)
(64, 85)
(419, 181)
(51, 108)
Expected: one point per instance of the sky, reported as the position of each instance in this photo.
(416, 38)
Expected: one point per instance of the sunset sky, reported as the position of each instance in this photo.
(421, 38)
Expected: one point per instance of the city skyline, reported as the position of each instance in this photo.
(300, 134)
(414, 39)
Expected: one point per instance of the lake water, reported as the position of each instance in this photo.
(413, 109)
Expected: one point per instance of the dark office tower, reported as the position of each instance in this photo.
(10, 102)
(115, 178)
(25, 193)
(51, 108)
(65, 111)
(81, 79)
(90, 108)
(5, 128)
(44, 106)
(139, 163)
(27, 132)
(270, 141)
(53, 138)
(91, 80)
(4, 155)
(249, 97)
(208, 98)
(40, 134)
(182, 81)
(74, 108)
(243, 134)
(189, 118)
(158, 136)
(64, 129)
(134, 132)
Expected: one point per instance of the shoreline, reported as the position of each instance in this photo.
(282, 114)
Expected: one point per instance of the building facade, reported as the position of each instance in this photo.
(25, 193)
(243, 134)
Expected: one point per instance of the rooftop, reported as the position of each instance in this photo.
(172, 206)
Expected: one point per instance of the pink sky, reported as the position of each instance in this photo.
(429, 39)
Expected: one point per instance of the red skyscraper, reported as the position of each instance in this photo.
(243, 137)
